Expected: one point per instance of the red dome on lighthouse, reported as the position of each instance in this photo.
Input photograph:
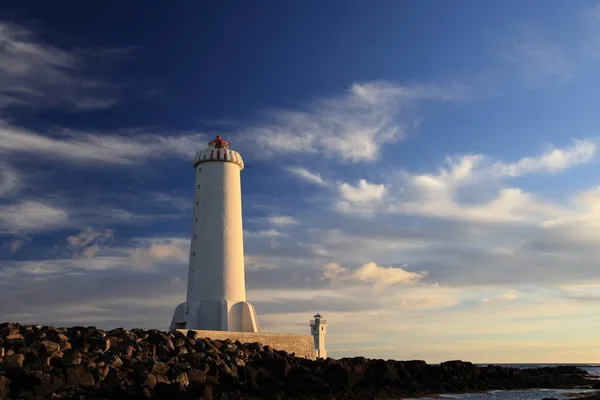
(218, 143)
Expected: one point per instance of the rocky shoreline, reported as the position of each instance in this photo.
(88, 363)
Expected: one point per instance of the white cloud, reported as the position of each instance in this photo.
(30, 216)
(371, 273)
(507, 296)
(364, 192)
(509, 205)
(435, 195)
(9, 180)
(351, 127)
(364, 198)
(88, 242)
(306, 175)
(282, 220)
(167, 251)
(266, 233)
(580, 221)
(461, 170)
(93, 252)
(124, 148)
(149, 251)
(553, 161)
(36, 74)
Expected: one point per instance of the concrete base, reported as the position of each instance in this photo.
(216, 315)
(301, 345)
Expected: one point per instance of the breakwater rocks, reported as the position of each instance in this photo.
(88, 363)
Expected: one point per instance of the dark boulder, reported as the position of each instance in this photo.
(78, 375)
(4, 385)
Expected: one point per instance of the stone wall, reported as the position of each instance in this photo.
(301, 345)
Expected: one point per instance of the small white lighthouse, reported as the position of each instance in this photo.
(216, 292)
(318, 328)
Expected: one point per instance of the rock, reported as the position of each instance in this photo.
(77, 375)
(266, 381)
(112, 378)
(306, 383)
(196, 375)
(8, 328)
(149, 381)
(15, 341)
(169, 344)
(57, 354)
(162, 351)
(13, 361)
(49, 383)
(99, 343)
(128, 350)
(101, 372)
(128, 362)
(181, 377)
(72, 357)
(157, 367)
(57, 362)
(113, 360)
(200, 345)
(64, 345)
(4, 384)
(161, 378)
(169, 389)
(206, 393)
(14, 336)
(181, 366)
(180, 350)
(192, 334)
(113, 340)
(50, 347)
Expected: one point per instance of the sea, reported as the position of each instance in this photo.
(530, 394)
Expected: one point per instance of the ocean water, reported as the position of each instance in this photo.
(592, 369)
(531, 394)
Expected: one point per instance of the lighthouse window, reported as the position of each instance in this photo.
(195, 219)
(195, 236)
(194, 254)
(322, 328)
(197, 202)
(198, 187)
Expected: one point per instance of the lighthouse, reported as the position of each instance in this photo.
(216, 290)
(318, 330)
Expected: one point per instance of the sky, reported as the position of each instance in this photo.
(424, 173)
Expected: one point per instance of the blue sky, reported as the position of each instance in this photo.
(424, 173)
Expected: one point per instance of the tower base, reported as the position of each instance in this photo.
(215, 315)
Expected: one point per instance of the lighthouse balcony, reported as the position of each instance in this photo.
(321, 321)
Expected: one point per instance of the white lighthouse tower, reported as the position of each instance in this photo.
(318, 328)
(216, 292)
